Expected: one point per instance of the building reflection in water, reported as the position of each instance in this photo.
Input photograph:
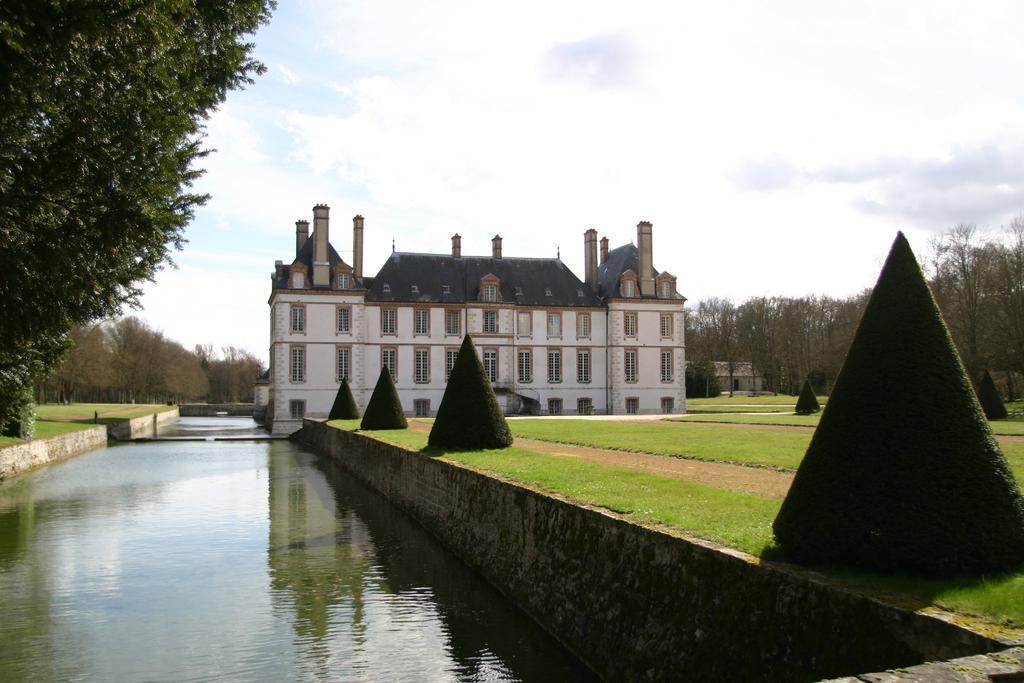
(375, 596)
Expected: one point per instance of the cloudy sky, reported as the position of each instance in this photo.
(776, 147)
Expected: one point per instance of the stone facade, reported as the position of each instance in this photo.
(571, 366)
(636, 603)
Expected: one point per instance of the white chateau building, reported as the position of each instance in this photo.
(550, 343)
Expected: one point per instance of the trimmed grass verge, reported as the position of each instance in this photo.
(736, 520)
(781, 399)
(46, 429)
(83, 412)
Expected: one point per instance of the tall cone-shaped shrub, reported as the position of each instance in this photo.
(808, 402)
(384, 411)
(344, 407)
(902, 473)
(990, 400)
(469, 417)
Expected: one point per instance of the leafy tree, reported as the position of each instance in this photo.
(701, 380)
(344, 407)
(808, 402)
(384, 411)
(990, 400)
(469, 417)
(903, 473)
(101, 111)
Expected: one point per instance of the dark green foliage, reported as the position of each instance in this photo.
(384, 411)
(469, 417)
(903, 474)
(808, 402)
(23, 423)
(701, 380)
(101, 112)
(344, 407)
(990, 400)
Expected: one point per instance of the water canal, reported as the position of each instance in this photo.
(240, 560)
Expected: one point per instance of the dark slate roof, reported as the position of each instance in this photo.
(429, 272)
(305, 256)
(618, 262)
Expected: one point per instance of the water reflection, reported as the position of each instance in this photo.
(255, 561)
(235, 427)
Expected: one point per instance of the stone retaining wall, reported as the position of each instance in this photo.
(636, 603)
(20, 457)
(140, 427)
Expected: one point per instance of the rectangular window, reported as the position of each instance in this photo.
(554, 406)
(629, 324)
(525, 366)
(668, 405)
(524, 323)
(389, 321)
(344, 319)
(490, 293)
(298, 318)
(344, 362)
(421, 407)
(584, 406)
(450, 356)
(490, 322)
(554, 324)
(491, 364)
(666, 290)
(630, 365)
(632, 405)
(554, 366)
(343, 281)
(452, 323)
(297, 409)
(298, 280)
(666, 365)
(421, 321)
(628, 288)
(298, 363)
(421, 366)
(583, 325)
(666, 325)
(583, 366)
(389, 360)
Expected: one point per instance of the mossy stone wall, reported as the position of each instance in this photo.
(639, 604)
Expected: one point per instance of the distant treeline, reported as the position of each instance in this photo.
(978, 281)
(127, 361)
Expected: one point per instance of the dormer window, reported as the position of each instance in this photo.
(415, 289)
(386, 289)
(519, 291)
(445, 289)
(547, 291)
(579, 293)
(298, 280)
(666, 286)
(343, 281)
(490, 289)
(628, 288)
(666, 290)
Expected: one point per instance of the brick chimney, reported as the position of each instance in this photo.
(321, 238)
(496, 246)
(457, 245)
(301, 234)
(644, 249)
(357, 245)
(604, 249)
(590, 258)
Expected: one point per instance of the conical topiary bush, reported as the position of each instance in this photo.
(469, 417)
(344, 407)
(384, 411)
(902, 473)
(990, 400)
(808, 402)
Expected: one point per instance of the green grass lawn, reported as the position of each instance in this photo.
(108, 411)
(732, 408)
(705, 442)
(733, 519)
(46, 429)
(999, 427)
(726, 400)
